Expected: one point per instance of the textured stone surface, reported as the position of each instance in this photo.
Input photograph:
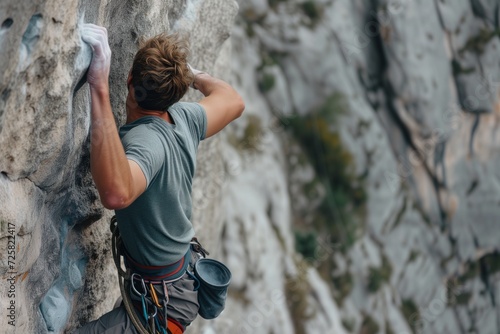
(422, 101)
(419, 80)
(63, 271)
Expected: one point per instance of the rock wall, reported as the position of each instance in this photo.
(56, 269)
(410, 91)
(369, 144)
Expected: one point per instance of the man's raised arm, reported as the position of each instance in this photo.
(119, 180)
(222, 102)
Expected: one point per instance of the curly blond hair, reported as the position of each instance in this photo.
(160, 74)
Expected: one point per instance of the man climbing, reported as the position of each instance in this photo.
(144, 172)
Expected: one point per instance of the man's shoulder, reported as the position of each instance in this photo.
(182, 104)
(185, 106)
(143, 127)
(189, 111)
(193, 114)
(131, 128)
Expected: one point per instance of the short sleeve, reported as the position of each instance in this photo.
(145, 148)
(196, 118)
(201, 120)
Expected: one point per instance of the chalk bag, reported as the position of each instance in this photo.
(214, 279)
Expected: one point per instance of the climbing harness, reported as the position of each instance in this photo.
(211, 279)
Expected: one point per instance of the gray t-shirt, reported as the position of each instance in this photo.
(156, 228)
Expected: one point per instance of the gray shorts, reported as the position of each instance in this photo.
(183, 307)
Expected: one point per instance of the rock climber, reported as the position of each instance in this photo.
(144, 172)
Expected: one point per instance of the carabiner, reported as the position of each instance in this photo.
(142, 295)
(152, 318)
(132, 279)
(154, 296)
(144, 308)
(165, 293)
(154, 314)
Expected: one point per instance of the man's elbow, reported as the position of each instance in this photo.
(115, 201)
(239, 106)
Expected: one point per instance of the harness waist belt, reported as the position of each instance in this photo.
(169, 272)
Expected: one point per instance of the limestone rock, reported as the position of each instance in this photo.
(421, 101)
(63, 273)
(412, 89)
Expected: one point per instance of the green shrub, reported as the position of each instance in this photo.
(348, 324)
(334, 167)
(463, 298)
(458, 69)
(324, 146)
(306, 244)
(312, 10)
(478, 42)
(411, 314)
(274, 3)
(413, 256)
(270, 58)
(342, 286)
(252, 135)
(266, 82)
(472, 270)
(379, 276)
(492, 262)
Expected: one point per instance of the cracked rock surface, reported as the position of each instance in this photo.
(63, 273)
(401, 98)
(418, 81)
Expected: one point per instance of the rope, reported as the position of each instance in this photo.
(122, 277)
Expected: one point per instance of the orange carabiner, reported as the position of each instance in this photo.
(154, 296)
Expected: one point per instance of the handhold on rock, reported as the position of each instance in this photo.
(75, 276)
(82, 63)
(7, 23)
(32, 33)
(55, 309)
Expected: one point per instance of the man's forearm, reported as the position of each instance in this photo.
(207, 84)
(109, 165)
(222, 103)
(213, 88)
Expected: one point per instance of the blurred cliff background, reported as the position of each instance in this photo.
(359, 193)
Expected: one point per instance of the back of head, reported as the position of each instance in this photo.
(160, 74)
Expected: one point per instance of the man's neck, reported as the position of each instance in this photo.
(136, 112)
